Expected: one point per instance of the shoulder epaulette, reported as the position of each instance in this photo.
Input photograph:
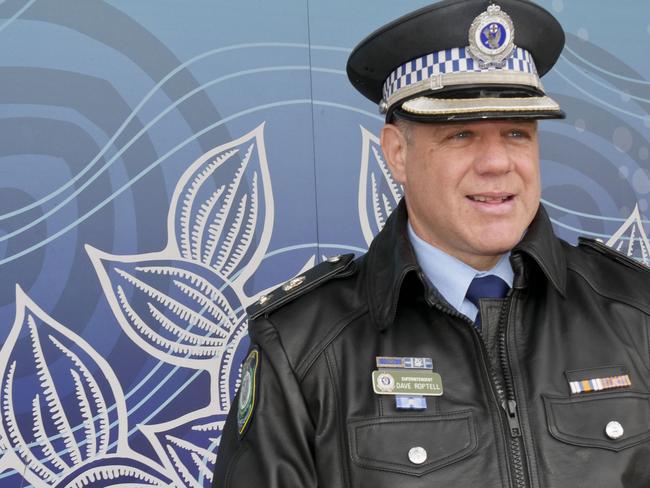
(300, 285)
(612, 253)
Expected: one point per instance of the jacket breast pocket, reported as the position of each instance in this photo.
(412, 445)
(611, 420)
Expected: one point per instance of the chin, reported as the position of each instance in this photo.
(499, 244)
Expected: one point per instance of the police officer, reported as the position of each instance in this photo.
(470, 346)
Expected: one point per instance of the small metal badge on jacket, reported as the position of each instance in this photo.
(247, 390)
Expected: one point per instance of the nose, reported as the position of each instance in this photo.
(493, 158)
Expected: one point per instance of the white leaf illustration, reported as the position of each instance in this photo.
(55, 394)
(178, 311)
(222, 211)
(378, 192)
(117, 471)
(188, 445)
(631, 238)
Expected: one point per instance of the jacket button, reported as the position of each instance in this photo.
(417, 455)
(614, 430)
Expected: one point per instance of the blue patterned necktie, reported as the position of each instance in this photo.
(490, 286)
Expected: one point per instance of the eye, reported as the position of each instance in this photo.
(464, 134)
(519, 133)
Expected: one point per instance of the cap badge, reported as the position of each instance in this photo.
(492, 37)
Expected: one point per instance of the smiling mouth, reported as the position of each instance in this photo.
(491, 198)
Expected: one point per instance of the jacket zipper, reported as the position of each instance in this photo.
(509, 402)
(504, 397)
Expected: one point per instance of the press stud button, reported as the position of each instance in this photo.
(614, 430)
(417, 455)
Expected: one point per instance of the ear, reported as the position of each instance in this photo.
(394, 146)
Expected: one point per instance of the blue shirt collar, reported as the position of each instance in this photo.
(451, 276)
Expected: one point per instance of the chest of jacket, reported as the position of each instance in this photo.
(533, 348)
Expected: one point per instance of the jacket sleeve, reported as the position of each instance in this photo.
(275, 449)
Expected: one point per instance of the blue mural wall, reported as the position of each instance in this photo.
(163, 163)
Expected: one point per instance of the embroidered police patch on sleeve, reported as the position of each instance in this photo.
(247, 391)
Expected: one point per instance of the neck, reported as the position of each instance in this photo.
(480, 263)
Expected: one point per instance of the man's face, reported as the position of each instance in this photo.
(471, 188)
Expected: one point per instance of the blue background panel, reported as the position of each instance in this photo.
(164, 163)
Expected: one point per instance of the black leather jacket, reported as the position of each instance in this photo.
(507, 417)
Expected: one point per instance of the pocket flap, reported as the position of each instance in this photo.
(384, 443)
(583, 420)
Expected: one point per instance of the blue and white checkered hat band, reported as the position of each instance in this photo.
(455, 60)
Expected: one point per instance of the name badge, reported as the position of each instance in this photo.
(406, 382)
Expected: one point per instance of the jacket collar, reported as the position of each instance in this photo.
(541, 244)
(391, 259)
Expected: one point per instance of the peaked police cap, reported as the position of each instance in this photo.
(461, 60)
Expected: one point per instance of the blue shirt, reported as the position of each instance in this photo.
(451, 276)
